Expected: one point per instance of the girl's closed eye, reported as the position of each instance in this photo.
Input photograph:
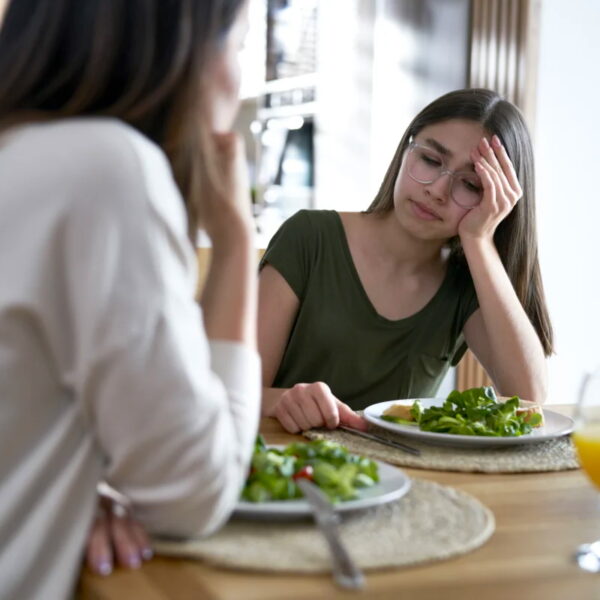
(471, 186)
(431, 160)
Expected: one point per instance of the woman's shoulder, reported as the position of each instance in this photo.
(81, 160)
(84, 131)
(83, 145)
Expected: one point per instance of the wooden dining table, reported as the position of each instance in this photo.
(540, 519)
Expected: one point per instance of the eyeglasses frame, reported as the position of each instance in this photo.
(445, 171)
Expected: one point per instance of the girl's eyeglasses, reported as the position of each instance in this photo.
(425, 165)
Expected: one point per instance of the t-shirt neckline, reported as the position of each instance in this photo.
(343, 238)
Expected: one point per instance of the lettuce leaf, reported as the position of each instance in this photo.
(476, 411)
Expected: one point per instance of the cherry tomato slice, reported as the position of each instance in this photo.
(305, 472)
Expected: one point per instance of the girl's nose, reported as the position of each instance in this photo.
(440, 188)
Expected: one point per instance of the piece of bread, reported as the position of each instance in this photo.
(400, 409)
(527, 409)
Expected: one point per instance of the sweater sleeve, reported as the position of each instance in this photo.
(174, 414)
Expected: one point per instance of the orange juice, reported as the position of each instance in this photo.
(587, 442)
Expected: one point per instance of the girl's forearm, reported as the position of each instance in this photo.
(516, 357)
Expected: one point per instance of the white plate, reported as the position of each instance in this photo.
(556, 425)
(393, 484)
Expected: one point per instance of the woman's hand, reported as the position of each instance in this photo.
(229, 294)
(115, 535)
(309, 405)
(501, 191)
(226, 205)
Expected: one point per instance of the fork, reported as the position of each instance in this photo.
(345, 571)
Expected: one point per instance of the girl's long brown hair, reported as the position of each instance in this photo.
(516, 236)
(141, 61)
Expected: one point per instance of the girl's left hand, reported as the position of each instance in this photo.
(501, 191)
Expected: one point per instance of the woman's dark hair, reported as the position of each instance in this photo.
(515, 237)
(141, 61)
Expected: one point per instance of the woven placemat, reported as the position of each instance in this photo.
(432, 522)
(553, 455)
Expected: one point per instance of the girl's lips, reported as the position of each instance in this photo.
(423, 213)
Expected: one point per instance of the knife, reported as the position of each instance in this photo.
(381, 440)
(345, 572)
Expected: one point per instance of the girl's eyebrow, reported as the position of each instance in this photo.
(437, 146)
(446, 152)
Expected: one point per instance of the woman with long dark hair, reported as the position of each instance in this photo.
(114, 119)
(358, 308)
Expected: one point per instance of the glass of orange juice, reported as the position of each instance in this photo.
(586, 437)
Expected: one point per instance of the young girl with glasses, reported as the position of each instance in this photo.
(358, 308)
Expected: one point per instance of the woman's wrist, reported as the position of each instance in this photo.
(235, 233)
(238, 248)
(235, 240)
(228, 219)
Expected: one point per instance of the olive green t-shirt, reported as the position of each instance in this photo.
(339, 338)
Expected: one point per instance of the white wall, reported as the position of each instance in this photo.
(380, 62)
(567, 140)
(421, 51)
(344, 96)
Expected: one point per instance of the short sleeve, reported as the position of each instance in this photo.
(291, 251)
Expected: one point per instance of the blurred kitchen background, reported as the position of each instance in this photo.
(330, 85)
(328, 88)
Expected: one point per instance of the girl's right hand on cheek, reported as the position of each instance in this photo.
(309, 405)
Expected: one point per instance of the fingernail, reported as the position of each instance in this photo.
(496, 141)
(134, 562)
(104, 568)
(147, 553)
(486, 143)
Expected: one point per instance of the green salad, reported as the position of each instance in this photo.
(336, 471)
(473, 412)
